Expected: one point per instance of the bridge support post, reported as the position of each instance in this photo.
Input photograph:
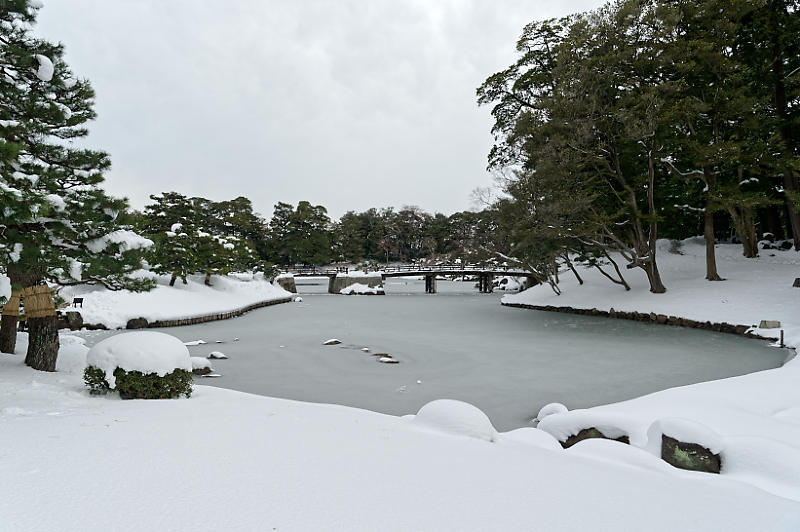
(485, 283)
(430, 284)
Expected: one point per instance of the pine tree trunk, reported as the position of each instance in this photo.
(43, 343)
(8, 334)
(711, 256)
(207, 280)
(172, 280)
(746, 229)
(42, 324)
(654, 278)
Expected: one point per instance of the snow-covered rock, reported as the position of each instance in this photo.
(683, 430)
(217, 355)
(201, 366)
(550, 409)
(360, 289)
(144, 351)
(332, 341)
(456, 417)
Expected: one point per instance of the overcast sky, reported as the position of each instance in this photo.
(349, 103)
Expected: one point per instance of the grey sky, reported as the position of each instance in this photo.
(350, 104)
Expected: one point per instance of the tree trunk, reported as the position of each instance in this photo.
(40, 314)
(43, 343)
(708, 225)
(8, 334)
(172, 280)
(8, 324)
(207, 280)
(746, 229)
(711, 256)
(656, 285)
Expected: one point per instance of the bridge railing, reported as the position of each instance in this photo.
(400, 268)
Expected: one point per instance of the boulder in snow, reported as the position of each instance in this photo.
(217, 355)
(137, 323)
(686, 444)
(456, 417)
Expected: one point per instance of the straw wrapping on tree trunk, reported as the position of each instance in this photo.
(11, 308)
(38, 301)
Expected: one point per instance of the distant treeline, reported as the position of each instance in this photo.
(198, 235)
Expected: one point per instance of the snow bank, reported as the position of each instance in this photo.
(327, 467)
(456, 417)
(144, 351)
(754, 290)
(114, 308)
(752, 421)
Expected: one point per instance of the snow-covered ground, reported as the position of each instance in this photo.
(754, 289)
(164, 302)
(226, 460)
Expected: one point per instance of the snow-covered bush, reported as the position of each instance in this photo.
(140, 365)
(138, 385)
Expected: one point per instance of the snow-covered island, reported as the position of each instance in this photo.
(225, 294)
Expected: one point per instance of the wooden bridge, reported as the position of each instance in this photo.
(484, 273)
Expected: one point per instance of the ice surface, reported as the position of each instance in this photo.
(461, 344)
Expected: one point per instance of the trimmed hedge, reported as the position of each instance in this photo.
(138, 385)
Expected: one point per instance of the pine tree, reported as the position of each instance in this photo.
(57, 224)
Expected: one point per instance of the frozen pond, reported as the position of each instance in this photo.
(458, 344)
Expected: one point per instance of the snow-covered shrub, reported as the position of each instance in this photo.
(138, 385)
(140, 365)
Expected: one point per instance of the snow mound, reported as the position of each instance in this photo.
(71, 354)
(550, 409)
(332, 341)
(195, 342)
(532, 436)
(144, 351)
(217, 355)
(298, 299)
(456, 417)
(683, 430)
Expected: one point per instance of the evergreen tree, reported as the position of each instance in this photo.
(57, 223)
